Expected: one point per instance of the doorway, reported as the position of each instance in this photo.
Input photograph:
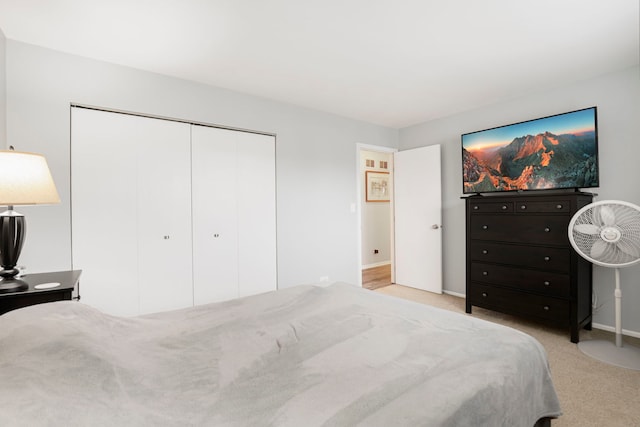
(375, 184)
(414, 208)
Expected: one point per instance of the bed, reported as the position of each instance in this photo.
(304, 356)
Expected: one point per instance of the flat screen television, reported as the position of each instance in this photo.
(549, 153)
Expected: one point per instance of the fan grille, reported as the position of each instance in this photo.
(607, 233)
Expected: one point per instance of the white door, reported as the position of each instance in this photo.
(256, 214)
(131, 211)
(164, 215)
(215, 215)
(104, 211)
(418, 218)
(234, 214)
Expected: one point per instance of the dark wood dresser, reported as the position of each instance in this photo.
(520, 261)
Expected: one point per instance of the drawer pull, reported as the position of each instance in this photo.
(484, 294)
(547, 283)
(547, 308)
(558, 206)
(485, 273)
(485, 227)
(547, 258)
(547, 229)
(504, 207)
(476, 207)
(523, 207)
(484, 252)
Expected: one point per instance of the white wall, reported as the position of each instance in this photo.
(3, 92)
(315, 154)
(376, 216)
(617, 97)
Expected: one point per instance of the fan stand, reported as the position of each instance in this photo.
(608, 352)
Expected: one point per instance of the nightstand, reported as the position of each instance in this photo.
(39, 290)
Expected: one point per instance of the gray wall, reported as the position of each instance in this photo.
(316, 154)
(617, 97)
(316, 163)
(3, 92)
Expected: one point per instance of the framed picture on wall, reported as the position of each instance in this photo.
(377, 188)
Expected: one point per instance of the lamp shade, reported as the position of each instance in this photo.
(25, 179)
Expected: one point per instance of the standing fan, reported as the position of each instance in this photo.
(607, 233)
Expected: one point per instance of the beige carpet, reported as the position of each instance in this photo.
(592, 393)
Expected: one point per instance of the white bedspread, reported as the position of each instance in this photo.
(304, 356)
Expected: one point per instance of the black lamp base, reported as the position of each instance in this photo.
(12, 285)
(9, 273)
(13, 228)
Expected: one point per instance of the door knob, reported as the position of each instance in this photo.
(436, 226)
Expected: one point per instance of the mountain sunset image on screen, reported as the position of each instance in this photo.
(553, 152)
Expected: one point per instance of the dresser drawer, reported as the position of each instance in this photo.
(520, 303)
(546, 258)
(559, 206)
(547, 230)
(491, 207)
(542, 282)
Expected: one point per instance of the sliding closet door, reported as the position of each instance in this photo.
(215, 214)
(234, 219)
(164, 216)
(131, 211)
(256, 213)
(104, 211)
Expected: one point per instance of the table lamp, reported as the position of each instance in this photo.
(25, 179)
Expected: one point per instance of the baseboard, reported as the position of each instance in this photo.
(613, 329)
(377, 264)
(455, 294)
(600, 326)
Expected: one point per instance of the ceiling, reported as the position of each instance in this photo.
(390, 62)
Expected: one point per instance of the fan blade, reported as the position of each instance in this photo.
(607, 216)
(629, 248)
(627, 218)
(587, 228)
(598, 249)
